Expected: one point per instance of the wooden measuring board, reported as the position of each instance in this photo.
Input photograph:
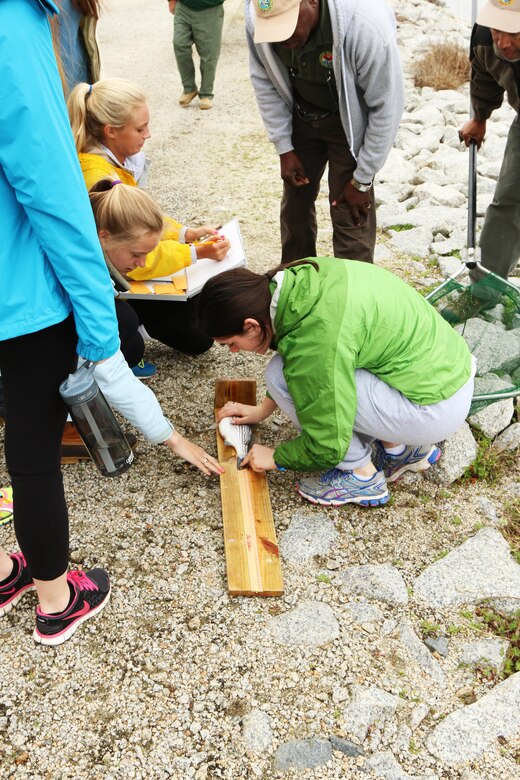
(252, 557)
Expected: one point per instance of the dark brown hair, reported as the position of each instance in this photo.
(230, 298)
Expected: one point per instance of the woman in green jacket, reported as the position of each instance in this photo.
(363, 360)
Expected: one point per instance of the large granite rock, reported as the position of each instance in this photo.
(480, 568)
(309, 534)
(458, 453)
(469, 731)
(312, 623)
(381, 582)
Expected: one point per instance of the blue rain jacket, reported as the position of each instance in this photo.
(50, 258)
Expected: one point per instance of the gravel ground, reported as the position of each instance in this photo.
(158, 686)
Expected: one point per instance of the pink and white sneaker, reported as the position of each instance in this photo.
(91, 591)
(20, 582)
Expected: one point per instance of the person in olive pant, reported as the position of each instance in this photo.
(197, 22)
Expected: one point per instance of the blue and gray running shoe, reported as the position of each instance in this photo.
(412, 459)
(336, 487)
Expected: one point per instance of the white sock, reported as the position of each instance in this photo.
(363, 478)
(397, 450)
(144, 333)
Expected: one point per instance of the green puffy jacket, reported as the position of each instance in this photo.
(351, 315)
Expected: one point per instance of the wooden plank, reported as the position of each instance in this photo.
(252, 556)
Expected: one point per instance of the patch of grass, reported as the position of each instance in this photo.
(453, 253)
(507, 626)
(456, 520)
(442, 66)
(511, 528)
(489, 464)
(400, 228)
(510, 310)
(413, 747)
(323, 578)
(430, 629)
(453, 629)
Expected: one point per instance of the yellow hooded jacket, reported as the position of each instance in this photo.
(169, 256)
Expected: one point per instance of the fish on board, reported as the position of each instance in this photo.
(237, 436)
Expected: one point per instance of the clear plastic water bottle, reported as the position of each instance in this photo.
(96, 422)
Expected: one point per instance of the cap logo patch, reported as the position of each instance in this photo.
(265, 6)
(505, 2)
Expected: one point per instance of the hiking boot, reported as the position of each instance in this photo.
(205, 103)
(20, 582)
(90, 592)
(144, 369)
(412, 459)
(466, 306)
(6, 505)
(186, 97)
(336, 487)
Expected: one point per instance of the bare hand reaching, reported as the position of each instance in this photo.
(193, 454)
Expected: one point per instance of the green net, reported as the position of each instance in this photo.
(487, 314)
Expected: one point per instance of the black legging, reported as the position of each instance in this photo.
(132, 343)
(173, 324)
(33, 366)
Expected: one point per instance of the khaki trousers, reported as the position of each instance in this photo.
(204, 29)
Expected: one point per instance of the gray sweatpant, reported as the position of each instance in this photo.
(382, 413)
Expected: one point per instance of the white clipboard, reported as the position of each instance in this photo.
(192, 278)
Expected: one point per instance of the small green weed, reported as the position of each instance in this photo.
(453, 629)
(507, 626)
(400, 228)
(413, 747)
(489, 464)
(323, 578)
(456, 520)
(511, 529)
(430, 629)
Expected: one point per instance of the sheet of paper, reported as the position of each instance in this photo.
(180, 282)
(203, 270)
(166, 288)
(191, 280)
(140, 288)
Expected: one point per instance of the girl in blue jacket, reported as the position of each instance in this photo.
(57, 302)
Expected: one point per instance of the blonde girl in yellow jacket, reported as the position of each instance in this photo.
(109, 121)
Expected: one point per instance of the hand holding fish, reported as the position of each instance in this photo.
(193, 454)
(245, 414)
(260, 458)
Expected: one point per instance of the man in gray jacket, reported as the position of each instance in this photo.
(495, 72)
(328, 82)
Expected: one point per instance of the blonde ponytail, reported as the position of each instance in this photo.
(93, 106)
(126, 213)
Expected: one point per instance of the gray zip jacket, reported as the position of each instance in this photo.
(368, 75)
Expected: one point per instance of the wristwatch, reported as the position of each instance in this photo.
(360, 186)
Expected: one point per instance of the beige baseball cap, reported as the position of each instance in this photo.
(275, 20)
(503, 15)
